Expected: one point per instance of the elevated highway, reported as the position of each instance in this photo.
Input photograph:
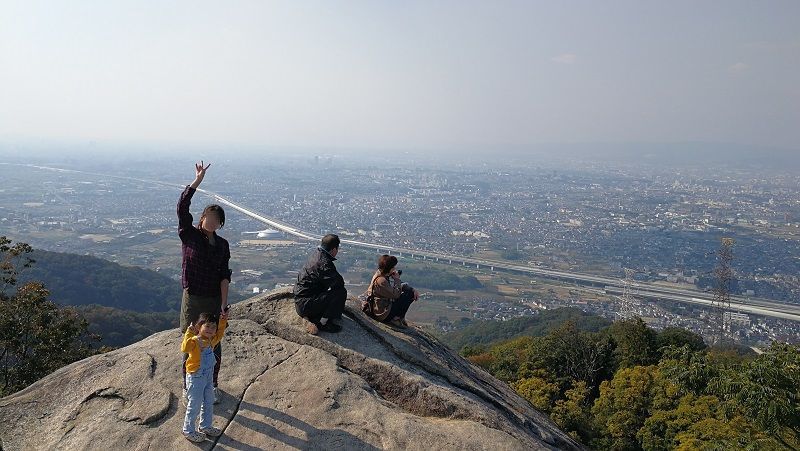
(643, 290)
(757, 306)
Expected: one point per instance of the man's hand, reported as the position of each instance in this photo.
(416, 294)
(200, 173)
(224, 314)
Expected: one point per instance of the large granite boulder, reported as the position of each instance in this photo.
(368, 387)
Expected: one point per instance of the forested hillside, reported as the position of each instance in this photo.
(82, 280)
(437, 279)
(122, 304)
(117, 327)
(629, 387)
(487, 332)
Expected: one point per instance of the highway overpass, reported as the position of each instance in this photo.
(756, 306)
(643, 290)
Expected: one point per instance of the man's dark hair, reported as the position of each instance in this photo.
(208, 318)
(330, 242)
(386, 263)
(217, 210)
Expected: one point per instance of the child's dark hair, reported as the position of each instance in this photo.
(208, 318)
(217, 210)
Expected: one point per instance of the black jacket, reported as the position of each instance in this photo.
(317, 276)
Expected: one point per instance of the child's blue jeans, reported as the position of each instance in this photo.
(200, 394)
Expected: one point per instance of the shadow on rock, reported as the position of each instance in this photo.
(308, 436)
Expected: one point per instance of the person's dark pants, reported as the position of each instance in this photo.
(191, 308)
(329, 304)
(400, 305)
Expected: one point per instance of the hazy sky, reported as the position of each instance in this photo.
(400, 73)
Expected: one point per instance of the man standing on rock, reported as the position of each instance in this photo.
(319, 293)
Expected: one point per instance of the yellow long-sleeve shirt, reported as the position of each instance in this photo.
(192, 345)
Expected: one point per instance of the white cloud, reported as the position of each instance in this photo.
(738, 67)
(566, 58)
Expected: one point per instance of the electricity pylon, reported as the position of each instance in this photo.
(723, 273)
(627, 302)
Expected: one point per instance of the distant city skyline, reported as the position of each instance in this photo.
(470, 76)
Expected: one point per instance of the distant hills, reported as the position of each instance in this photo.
(123, 304)
(82, 280)
(437, 279)
(481, 333)
(118, 327)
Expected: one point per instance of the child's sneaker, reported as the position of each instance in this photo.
(211, 432)
(194, 437)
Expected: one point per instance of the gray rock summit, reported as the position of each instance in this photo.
(368, 387)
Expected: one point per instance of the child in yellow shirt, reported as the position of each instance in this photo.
(199, 342)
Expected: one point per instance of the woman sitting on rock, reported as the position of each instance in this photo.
(389, 298)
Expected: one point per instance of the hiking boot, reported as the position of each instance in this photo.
(311, 328)
(211, 432)
(329, 327)
(194, 437)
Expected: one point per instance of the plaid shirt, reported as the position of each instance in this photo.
(204, 266)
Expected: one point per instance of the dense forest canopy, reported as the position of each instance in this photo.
(627, 386)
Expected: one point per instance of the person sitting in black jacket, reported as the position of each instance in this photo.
(319, 294)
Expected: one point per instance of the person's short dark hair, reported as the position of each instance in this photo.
(208, 318)
(217, 210)
(386, 263)
(330, 242)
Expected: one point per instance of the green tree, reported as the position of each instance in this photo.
(484, 360)
(767, 391)
(689, 371)
(36, 336)
(573, 355)
(625, 402)
(661, 428)
(677, 337)
(508, 357)
(635, 343)
(471, 350)
(538, 390)
(13, 259)
(571, 412)
(699, 422)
